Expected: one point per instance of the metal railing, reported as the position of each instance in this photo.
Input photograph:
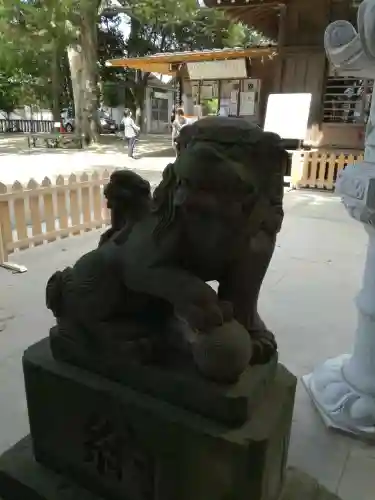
(26, 126)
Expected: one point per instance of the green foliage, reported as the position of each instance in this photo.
(170, 25)
(33, 44)
(34, 35)
(210, 107)
(20, 75)
(111, 45)
(111, 95)
(46, 28)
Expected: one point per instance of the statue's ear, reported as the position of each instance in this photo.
(162, 191)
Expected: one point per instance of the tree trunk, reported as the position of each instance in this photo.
(75, 64)
(89, 43)
(84, 73)
(139, 97)
(56, 84)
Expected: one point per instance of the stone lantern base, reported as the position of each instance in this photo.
(341, 405)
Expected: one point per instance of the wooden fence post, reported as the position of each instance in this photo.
(6, 232)
(38, 214)
(319, 169)
(62, 212)
(296, 173)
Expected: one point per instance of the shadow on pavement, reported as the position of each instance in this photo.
(147, 146)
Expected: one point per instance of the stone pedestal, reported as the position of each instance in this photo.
(179, 383)
(122, 444)
(343, 388)
(22, 478)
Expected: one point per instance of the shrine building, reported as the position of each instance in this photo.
(340, 103)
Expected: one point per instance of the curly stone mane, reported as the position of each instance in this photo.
(244, 158)
(203, 166)
(163, 199)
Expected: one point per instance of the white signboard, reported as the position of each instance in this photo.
(234, 96)
(160, 95)
(288, 115)
(247, 103)
(217, 70)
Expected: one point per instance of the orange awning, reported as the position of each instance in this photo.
(162, 63)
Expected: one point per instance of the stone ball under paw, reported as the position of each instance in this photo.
(224, 353)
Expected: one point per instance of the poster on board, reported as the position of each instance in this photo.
(234, 96)
(288, 115)
(247, 103)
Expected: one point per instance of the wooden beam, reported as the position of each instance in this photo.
(277, 83)
(165, 62)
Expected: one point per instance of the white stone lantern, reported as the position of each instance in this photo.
(343, 388)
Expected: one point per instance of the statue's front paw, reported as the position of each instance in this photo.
(264, 347)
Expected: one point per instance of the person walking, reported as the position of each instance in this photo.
(179, 122)
(131, 131)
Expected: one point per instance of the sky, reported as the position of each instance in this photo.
(124, 26)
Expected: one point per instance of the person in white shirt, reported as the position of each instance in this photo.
(131, 131)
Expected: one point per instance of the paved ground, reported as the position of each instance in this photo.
(307, 299)
(17, 162)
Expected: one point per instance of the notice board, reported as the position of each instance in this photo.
(288, 115)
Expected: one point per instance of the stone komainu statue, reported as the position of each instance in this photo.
(214, 216)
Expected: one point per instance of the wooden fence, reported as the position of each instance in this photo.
(36, 214)
(318, 169)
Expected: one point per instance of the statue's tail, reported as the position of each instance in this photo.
(56, 286)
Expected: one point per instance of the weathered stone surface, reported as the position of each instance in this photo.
(183, 386)
(122, 444)
(214, 217)
(21, 477)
